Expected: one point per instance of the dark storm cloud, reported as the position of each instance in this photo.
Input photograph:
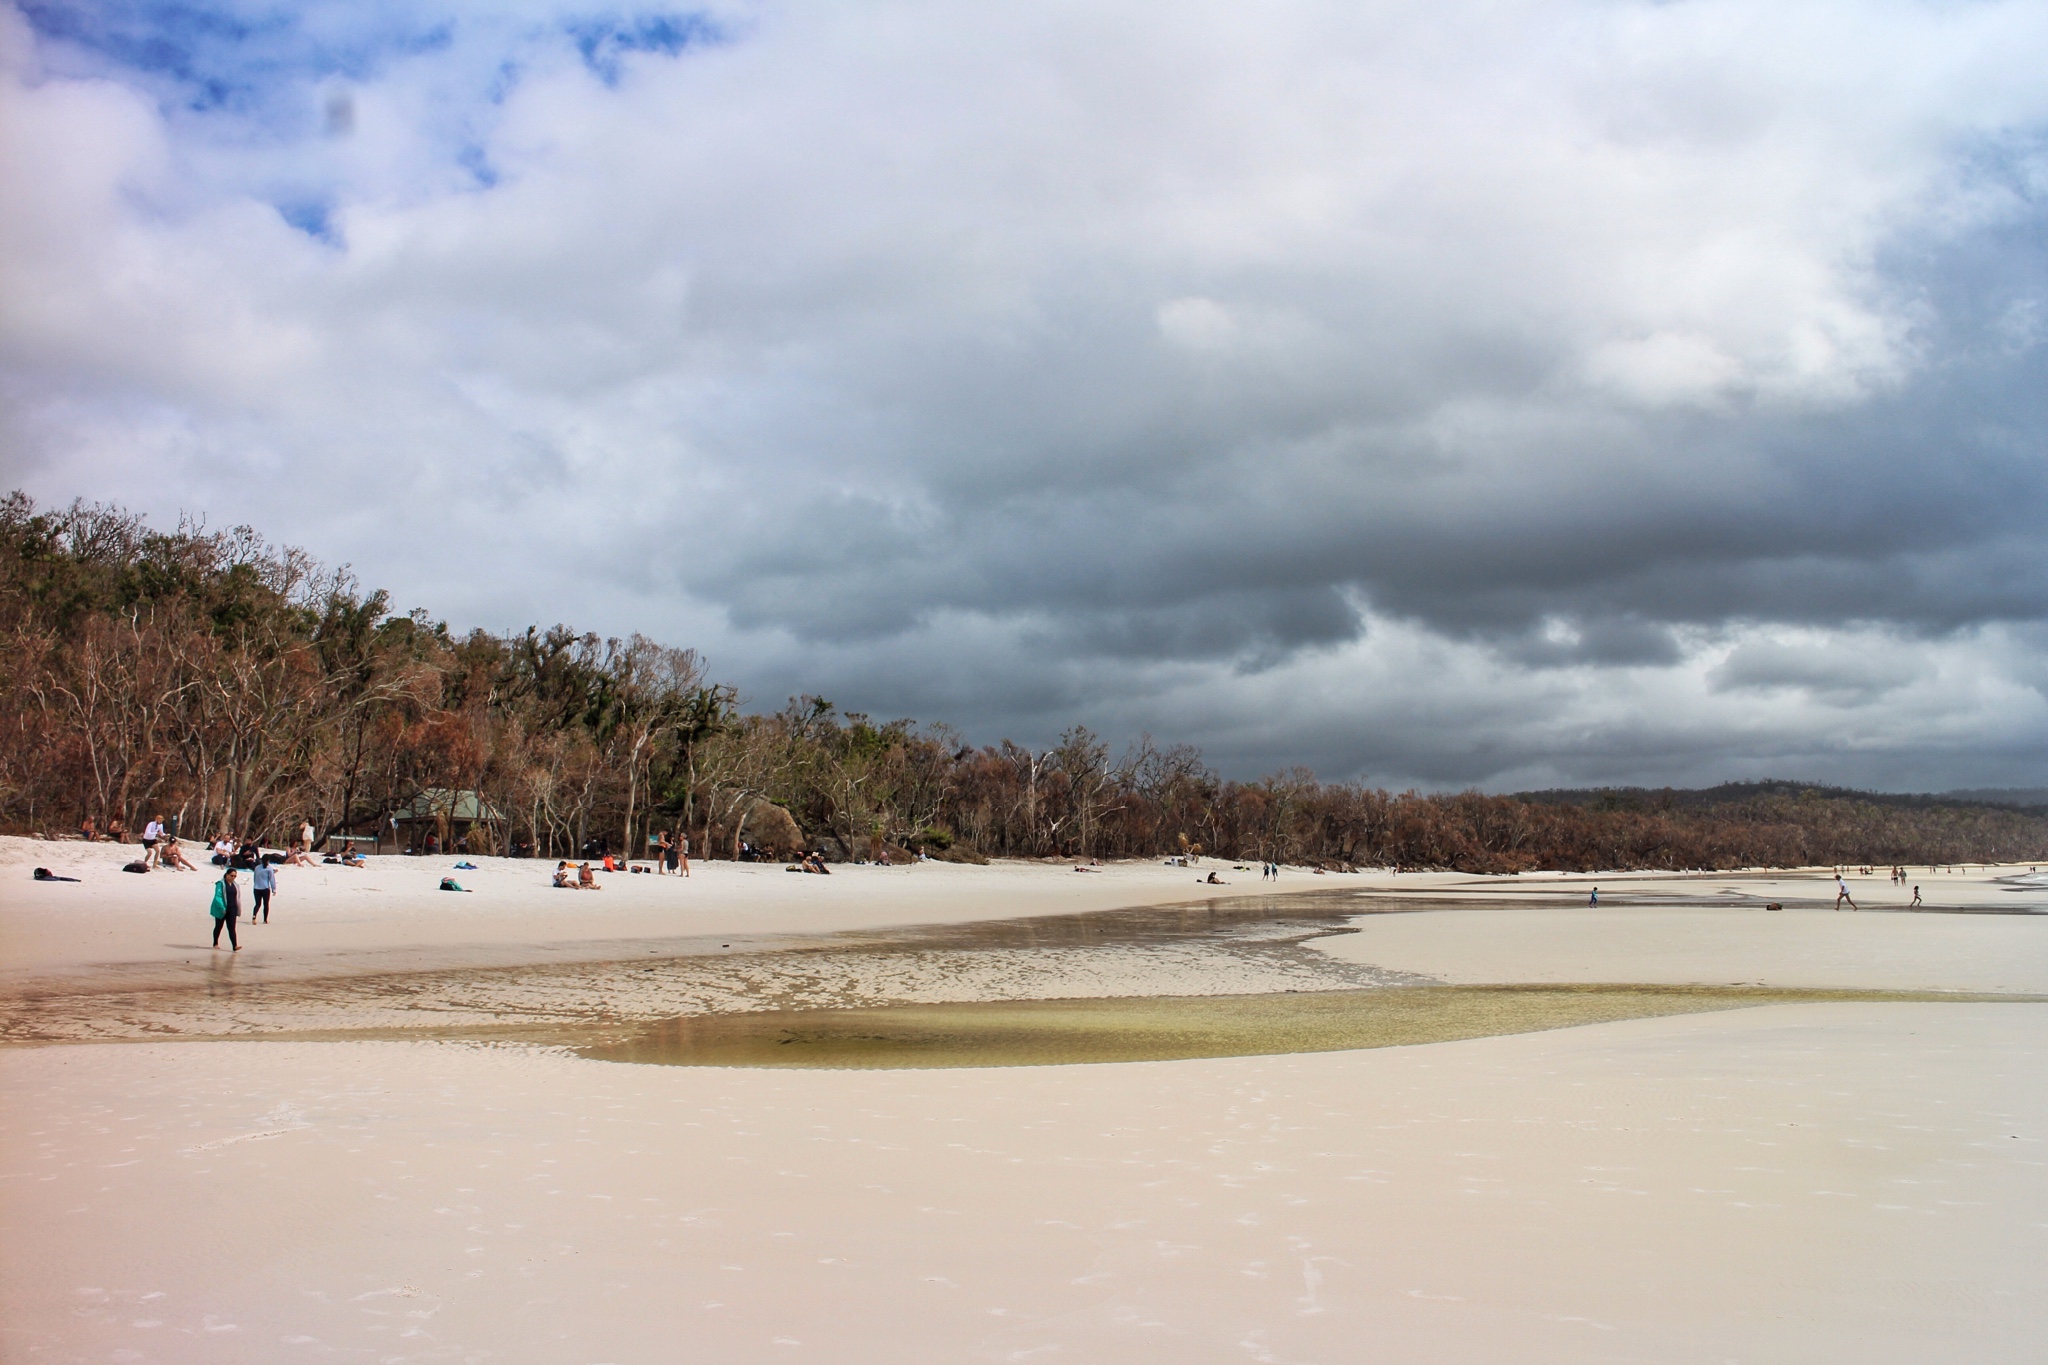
(1581, 393)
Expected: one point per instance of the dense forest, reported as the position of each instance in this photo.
(230, 685)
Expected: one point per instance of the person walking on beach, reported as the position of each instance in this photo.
(1842, 893)
(1593, 901)
(152, 835)
(264, 882)
(227, 908)
(1916, 899)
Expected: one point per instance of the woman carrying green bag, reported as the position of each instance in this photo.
(227, 908)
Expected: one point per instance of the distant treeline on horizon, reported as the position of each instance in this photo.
(214, 679)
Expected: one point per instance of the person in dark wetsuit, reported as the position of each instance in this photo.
(231, 895)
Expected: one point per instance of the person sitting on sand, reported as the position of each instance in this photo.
(562, 876)
(585, 881)
(1213, 880)
(814, 862)
(296, 857)
(169, 854)
(351, 858)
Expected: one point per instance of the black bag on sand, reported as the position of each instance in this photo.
(43, 874)
(137, 866)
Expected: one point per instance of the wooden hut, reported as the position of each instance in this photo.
(452, 820)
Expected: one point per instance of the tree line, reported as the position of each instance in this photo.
(211, 678)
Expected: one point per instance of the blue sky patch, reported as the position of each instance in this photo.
(605, 43)
(310, 216)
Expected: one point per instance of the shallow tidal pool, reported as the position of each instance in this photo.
(1163, 1028)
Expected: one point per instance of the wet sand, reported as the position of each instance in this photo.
(1234, 946)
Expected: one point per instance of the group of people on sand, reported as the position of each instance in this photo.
(160, 848)
(117, 830)
(227, 900)
(579, 878)
(672, 853)
(1898, 876)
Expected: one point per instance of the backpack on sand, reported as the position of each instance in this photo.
(220, 900)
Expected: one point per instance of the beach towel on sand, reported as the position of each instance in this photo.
(220, 900)
(450, 884)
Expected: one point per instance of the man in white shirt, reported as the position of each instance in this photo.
(152, 835)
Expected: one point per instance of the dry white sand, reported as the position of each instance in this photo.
(1859, 1182)
(391, 913)
(1795, 1183)
(1715, 946)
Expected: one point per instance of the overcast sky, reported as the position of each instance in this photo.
(1509, 394)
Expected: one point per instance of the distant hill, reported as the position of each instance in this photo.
(1745, 793)
(2025, 798)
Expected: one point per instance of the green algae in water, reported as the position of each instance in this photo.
(1165, 1028)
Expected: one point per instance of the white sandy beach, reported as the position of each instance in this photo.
(1831, 1181)
(391, 910)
